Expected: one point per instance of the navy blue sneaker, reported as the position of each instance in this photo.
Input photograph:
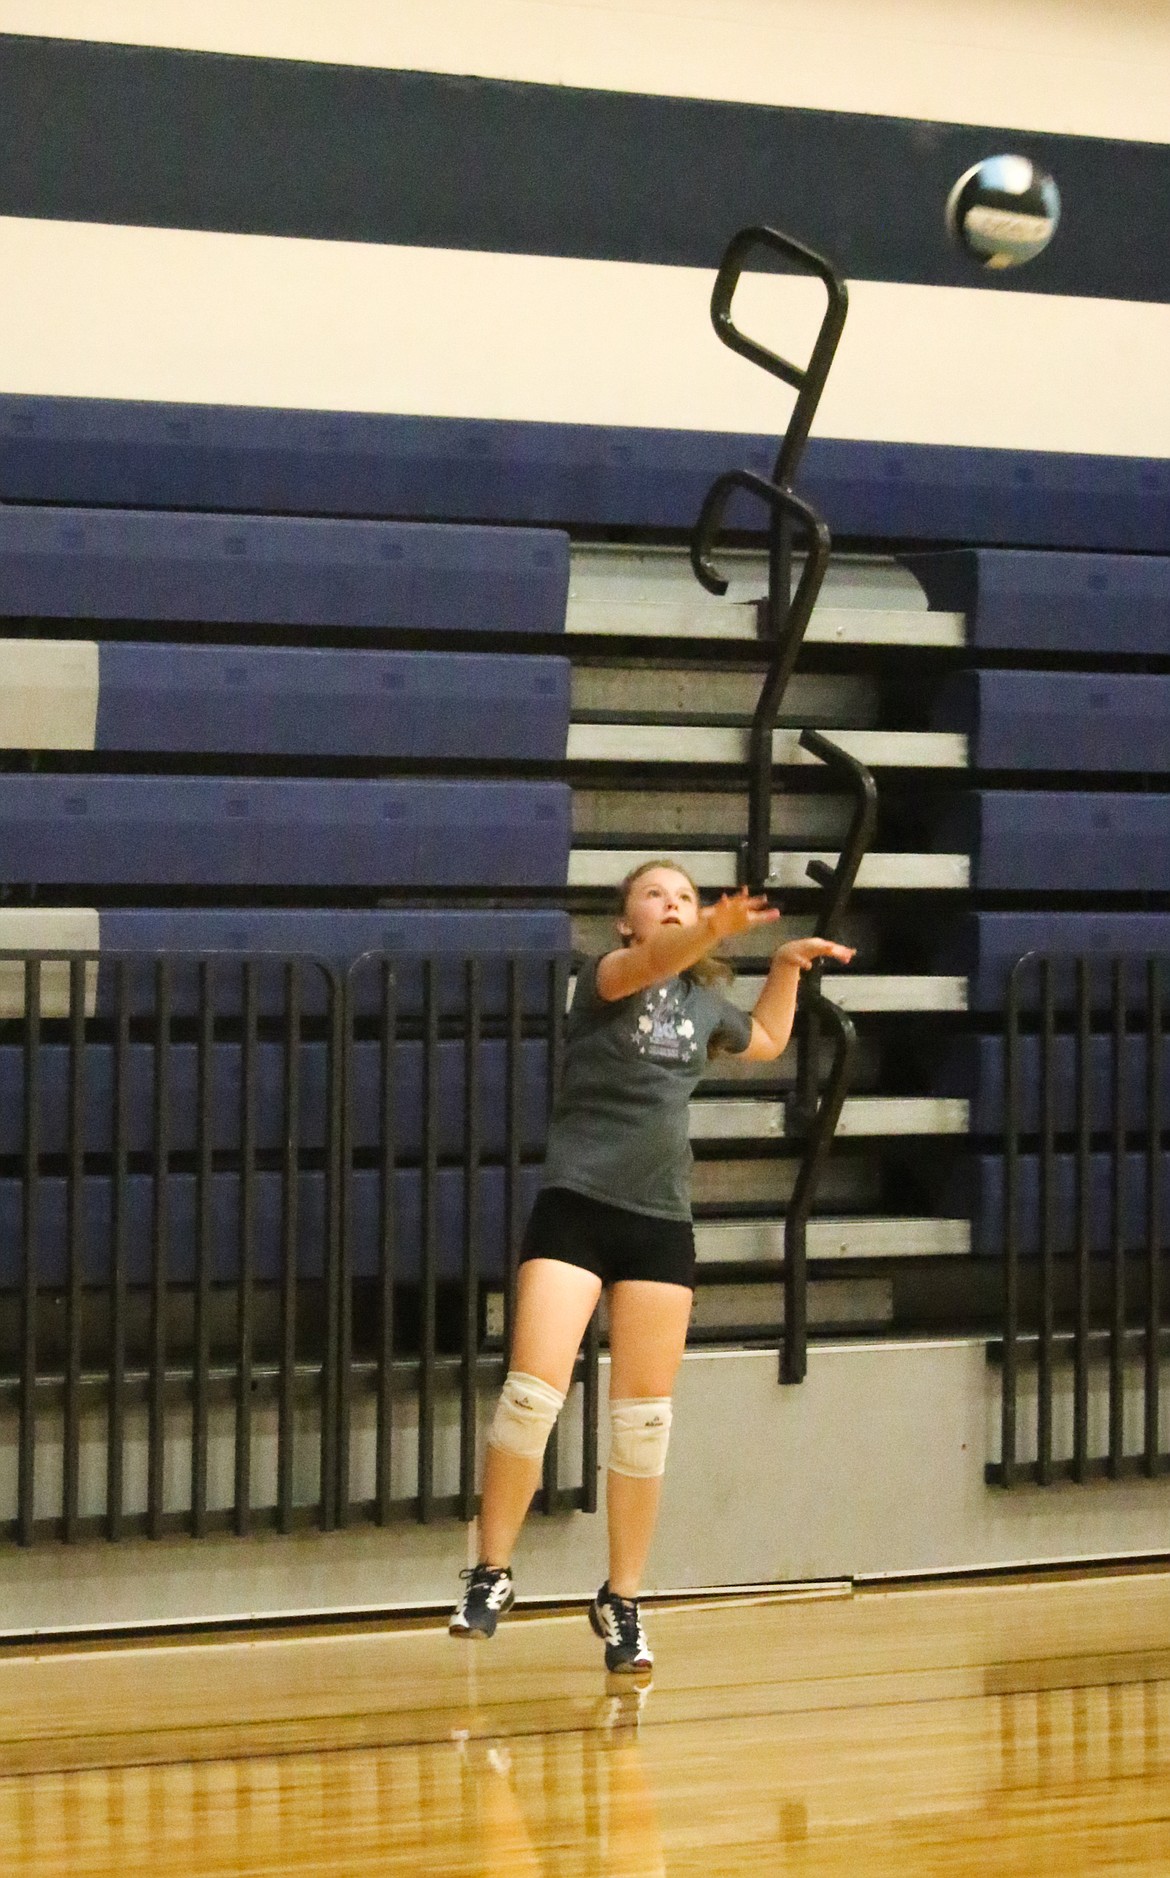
(617, 1622)
(488, 1595)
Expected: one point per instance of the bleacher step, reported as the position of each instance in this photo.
(699, 691)
(715, 868)
(761, 1241)
(831, 1304)
(690, 743)
(864, 991)
(739, 620)
(748, 1118)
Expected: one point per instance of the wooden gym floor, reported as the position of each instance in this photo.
(995, 1727)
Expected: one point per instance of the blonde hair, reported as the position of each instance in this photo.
(705, 971)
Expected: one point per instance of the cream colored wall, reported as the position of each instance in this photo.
(178, 315)
(1058, 65)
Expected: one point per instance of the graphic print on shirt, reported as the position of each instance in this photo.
(662, 1032)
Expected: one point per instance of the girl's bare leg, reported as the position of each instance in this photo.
(554, 1303)
(647, 1334)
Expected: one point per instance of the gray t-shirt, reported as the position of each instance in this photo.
(619, 1128)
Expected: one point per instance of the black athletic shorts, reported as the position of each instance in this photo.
(611, 1241)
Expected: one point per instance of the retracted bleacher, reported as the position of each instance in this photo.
(398, 766)
(1072, 682)
(284, 858)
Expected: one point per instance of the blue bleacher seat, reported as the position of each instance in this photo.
(1060, 841)
(299, 702)
(196, 831)
(1025, 600)
(985, 946)
(974, 1068)
(1060, 720)
(338, 936)
(181, 1240)
(280, 570)
(974, 1188)
(268, 1111)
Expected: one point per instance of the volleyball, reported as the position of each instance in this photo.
(1003, 211)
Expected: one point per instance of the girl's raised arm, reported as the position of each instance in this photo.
(775, 1008)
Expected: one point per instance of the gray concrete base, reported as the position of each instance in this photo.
(873, 1467)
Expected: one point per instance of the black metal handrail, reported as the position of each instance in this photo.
(813, 1113)
(822, 1127)
(788, 618)
(785, 616)
(808, 381)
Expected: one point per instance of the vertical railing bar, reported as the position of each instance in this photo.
(1011, 1242)
(160, 1253)
(1117, 1228)
(387, 1238)
(246, 1276)
(1154, 1047)
(428, 1276)
(590, 1411)
(557, 1018)
(472, 1153)
(512, 1020)
(204, 1143)
(347, 1212)
(75, 1196)
(1083, 1048)
(30, 1252)
(116, 1425)
(1047, 1176)
(289, 1251)
(335, 1380)
(550, 1494)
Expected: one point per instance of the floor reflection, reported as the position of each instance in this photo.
(527, 1802)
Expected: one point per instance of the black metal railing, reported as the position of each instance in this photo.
(814, 1110)
(1086, 1165)
(258, 1222)
(784, 619)
(784, 615)
(450, 1069)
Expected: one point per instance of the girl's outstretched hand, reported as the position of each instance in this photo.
(736, 912)
(805, 952)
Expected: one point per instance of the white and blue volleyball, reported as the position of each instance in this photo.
(1003, 211)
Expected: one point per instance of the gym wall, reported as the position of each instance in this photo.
(510, 209)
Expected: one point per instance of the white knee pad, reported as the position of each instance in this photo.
(524, 1415)
(639, 1436)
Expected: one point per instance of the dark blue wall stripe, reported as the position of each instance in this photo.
(163, 138)
(223, 457)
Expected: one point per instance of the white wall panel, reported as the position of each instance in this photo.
(48, 694)
(1054, 65)
(99, 311)
(873, 1467)
(47, 929)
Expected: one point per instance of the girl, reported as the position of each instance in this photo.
(614, 1210)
